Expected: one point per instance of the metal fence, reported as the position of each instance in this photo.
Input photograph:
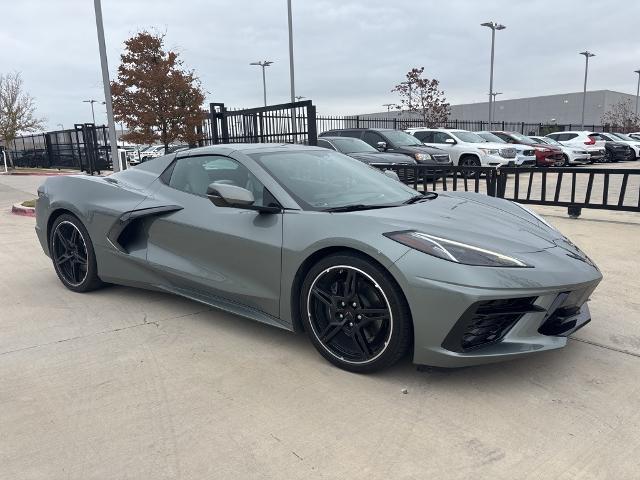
(85, 147)
(283, 123)
(402, 123)
(594, 188)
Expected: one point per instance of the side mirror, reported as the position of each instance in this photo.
(392, 174)
(450, 141)
(382, 146)
(223, 195)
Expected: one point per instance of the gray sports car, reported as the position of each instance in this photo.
(308, 239)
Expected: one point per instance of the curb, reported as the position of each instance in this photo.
(18, 209)
(44, 174)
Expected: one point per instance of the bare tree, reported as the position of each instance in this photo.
(154, 95)
(17, 110)
(423, 97)
(621, 116)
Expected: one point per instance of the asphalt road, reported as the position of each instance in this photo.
(128, 384)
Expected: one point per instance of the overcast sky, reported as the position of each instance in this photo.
(348, 53)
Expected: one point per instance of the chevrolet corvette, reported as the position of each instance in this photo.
(310, 240)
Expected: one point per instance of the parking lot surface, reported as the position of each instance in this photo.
(129, 384)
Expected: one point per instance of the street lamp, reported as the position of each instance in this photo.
(494, 95)
(587, 54)
(388, 105)
(299, 98)
(263, 64)
(93, 113)
(637, 90)
(493, 26)
(291, 73)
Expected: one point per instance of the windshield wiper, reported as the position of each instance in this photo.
(419, 198)
(354, 207)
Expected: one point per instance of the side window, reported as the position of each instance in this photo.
(502, 136)
(351, 133)
(556, 136)
(372, 138)
(194, 174)
(440, 137)
(325, 144)
(424, 137)
(570, 136)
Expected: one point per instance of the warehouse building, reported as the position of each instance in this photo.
(562, 109)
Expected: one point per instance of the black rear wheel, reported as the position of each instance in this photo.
(469, 161)
(72, 254)
(355, 314)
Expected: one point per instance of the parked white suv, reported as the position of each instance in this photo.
(466, 148)
(590, 141)
(525, 154)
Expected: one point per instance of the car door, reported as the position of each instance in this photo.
(221, 253)
(439, 140)
(373, 138)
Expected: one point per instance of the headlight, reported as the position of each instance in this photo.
(453, 251)
(421, 156)
(536, 216)
(490, 151)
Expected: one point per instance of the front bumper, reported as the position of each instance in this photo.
(441, 307)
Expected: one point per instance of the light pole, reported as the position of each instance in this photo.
(587, 54)
(263, 64)
(93, 113)
(106, 84)
(291, 73)
(494, 95)
(388, 105)
(299, 98)
(637, 90)
(493, 26)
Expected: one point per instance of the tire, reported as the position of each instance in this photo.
(566, 162)
(469, 161)
(355, 314)
(73, 255)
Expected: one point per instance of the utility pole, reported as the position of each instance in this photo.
(291, 69)
(263, 64)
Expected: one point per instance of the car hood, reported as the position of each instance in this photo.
(546, 145)
(382, 157)
(466, 217)
(492, 145)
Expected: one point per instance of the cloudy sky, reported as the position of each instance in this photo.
(348, 53)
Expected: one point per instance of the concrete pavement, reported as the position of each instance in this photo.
(128, 384)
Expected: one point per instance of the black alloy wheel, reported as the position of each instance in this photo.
(72, 254)
(354, 314)
(469, 162)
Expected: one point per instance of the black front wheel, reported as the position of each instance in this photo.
(72, 254)
(355, 314)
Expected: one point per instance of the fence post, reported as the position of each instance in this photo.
(214, 124)
(395, 123)
(357, 121)
(313, 129)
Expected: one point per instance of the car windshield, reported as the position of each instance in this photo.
(622, 136)
(320, 180)
(490, 137)
(548, 140)
(521, 138)
(402, 139)
(352, 145)
(468, 137)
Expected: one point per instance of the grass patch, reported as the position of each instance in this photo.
(29, 203)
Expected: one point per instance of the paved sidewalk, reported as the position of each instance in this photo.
(128, 384)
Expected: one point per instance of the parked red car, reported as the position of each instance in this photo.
(546, 155)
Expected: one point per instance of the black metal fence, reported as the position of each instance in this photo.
(402, 123)
(595, 188)
(283, 123)
(85, 147)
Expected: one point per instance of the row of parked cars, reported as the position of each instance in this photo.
(137, 154)
(440, 146)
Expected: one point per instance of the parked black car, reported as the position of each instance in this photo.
(394, 141)
(356, 148)
(616, 151)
